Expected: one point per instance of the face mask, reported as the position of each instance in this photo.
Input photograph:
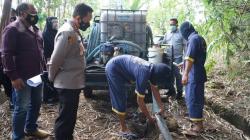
(32, 19)
(55, 24)
(84, 26)
(173, 28)
(12, 19)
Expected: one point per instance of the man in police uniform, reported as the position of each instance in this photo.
(66, 69)
(126, 69)
(194, 76)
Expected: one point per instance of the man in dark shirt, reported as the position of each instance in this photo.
(22, 59)
(126, 69)
(194, 76)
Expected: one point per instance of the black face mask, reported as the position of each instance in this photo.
(32, 19)
(12, 19)
(84, 26)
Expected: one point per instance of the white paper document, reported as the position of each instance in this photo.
(35, 81)
(178, 64)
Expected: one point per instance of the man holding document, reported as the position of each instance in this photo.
(22, 59)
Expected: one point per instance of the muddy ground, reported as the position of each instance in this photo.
(96, 121)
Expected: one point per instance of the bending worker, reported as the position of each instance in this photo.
(127, 68)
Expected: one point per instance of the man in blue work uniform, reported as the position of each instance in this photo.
(194, 76)
(175, 38)
(127, 68)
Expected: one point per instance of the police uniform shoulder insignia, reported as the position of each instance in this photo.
(71, 40)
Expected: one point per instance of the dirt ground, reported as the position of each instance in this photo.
(96, 121)
(3, 98)
(233, 94)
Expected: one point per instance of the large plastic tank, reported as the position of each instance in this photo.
(127, 25)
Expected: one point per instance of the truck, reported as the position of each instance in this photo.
(114, 32)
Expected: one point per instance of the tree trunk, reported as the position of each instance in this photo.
(5, 17)
(1, 5)
(59, 14)
(64, 8)
(49, 7)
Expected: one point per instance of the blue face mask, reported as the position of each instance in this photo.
(173, 28)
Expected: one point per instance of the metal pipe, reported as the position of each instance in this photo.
(160, 121)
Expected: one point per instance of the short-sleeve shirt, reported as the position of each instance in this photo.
(178, 42)
(196, 52)
(134, 69)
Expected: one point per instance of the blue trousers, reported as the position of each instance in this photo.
(26, 110)
(117, 89)
(195, 100)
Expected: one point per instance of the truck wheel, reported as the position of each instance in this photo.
(87, 92)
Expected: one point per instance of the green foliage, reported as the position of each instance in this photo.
(42, 19)
(228, 28)
(133, 5)
(210, 65)
(158, 16)
(226, 25)
(59, 9)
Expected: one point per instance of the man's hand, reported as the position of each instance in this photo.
(184, 79)
(18, 84)
(188, 66)
(180, 66)
(152, 119)
(161, 112)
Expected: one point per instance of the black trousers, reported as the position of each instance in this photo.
(5, 81)
(68, 105)
(49, 95)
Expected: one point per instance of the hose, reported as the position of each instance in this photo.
(94, 38)
(91, 55)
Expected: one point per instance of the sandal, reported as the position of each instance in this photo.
(192, 131)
